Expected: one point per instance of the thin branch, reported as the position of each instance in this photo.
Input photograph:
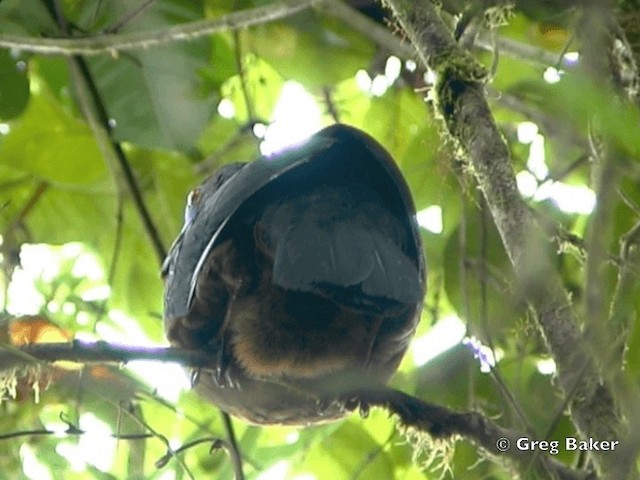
(40, 189)
(99, 352)
(159, 436)
(216, 444)
(623, 312)
(483, 39)
(369, 28)
(522, 51)
(597, 42)
(129, 16)
(109, 44)
(213, 160)
(462, 103)
(599, 235)
(547, 123)
(71, 431)
(232, 447)
(331, 107)
(242, 72)
(94, 111)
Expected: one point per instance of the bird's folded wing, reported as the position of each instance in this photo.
(365, 264)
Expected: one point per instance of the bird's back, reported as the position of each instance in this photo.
(310, 284)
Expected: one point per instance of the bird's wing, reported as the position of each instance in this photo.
(335, 247)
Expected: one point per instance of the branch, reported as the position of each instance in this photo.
(111, 44)
(94, 111)
(74, 430)
(483, 39)
(99, 352)
(71, 430)
(549, 124)
(441, 423)
(623, 312)
(462, 103)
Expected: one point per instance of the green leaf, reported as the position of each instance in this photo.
(310, 49)
(616, 120)
(155, 97)
(51, 145)
(347, 450)
(19, 17)
(479, 280)
(261, 90)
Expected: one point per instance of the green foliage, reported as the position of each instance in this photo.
(56, 188)
(14, 87)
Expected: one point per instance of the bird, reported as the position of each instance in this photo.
(303, 273)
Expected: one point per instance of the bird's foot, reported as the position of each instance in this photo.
(351, 403)
(194, 377)
(224, 375)
(346, 403)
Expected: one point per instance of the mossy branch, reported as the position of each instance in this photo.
(460, 99)
(422, 417)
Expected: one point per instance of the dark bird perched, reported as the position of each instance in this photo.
(304, 273)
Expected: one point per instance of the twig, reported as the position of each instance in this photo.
(109, 44)
(331, 107)
(242, 72)
(216, 444)
(549, 125)
(40, 189)
(522, 51)
(113, 264)
(212, 160)
(129, 16)
(160, 437)
(71, 430)
(232, 448)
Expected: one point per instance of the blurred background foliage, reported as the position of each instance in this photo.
(78, 262)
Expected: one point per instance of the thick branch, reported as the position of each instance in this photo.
(111, 44)
(441, 422)
(462, 103)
